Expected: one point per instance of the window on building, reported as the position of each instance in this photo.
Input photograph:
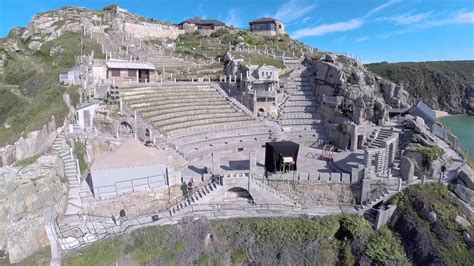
(115, 72)
(132, 73)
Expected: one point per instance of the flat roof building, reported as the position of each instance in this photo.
(205, 26)
(267, 26)
(127, 71)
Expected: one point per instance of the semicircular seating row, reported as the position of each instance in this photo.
(197, 119)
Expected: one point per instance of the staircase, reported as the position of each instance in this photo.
(72, 173)
(374, 198)
(265, 194)
(196, 196)
(299, 116)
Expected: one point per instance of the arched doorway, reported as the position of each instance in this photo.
(238, 195)
(125, 130)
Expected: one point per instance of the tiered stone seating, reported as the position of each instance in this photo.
(299, 115)
(196, 119)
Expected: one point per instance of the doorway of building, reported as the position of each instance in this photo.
(144, 75)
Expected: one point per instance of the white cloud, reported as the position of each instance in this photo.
(328, 28)
(380, 8)
(362, 39)
(407, 18)
(293, 10)
(340, 26)
(233, 19)
(460, 17)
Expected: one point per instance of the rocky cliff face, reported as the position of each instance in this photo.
(443, 85)
(357, 92)
(24, 195)
(51, 25)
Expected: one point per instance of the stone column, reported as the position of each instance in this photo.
(354, 138)
(365, 190)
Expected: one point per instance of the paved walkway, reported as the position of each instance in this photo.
(48, 225)
(99, 228)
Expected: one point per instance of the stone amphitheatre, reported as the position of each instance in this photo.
(171, 131)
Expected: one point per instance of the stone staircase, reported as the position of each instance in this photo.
(196, 119)
(198, 195)
(265, 194)
(374, 198)
(72, 173)
(299, 116)
(378, 140)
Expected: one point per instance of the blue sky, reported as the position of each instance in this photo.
(374, 30)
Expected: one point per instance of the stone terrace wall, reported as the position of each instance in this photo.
(152, 31)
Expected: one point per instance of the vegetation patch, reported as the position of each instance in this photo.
(385, 247)
(259, 59)
(80, 154)
(27, 161)
(101, 253)
(430, 154)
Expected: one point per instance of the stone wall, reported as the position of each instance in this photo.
(134, 204)
(152, 31)
(313, 194)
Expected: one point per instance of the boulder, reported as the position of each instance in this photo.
(463, 222)
(35, 45)
(330, 58)
(466, 175)
(407, 169)
(464, 193)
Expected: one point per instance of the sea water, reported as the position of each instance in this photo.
(463, 127)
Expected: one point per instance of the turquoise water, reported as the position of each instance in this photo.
(463, 127)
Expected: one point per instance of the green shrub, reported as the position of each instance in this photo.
(103, 253)
(430, 154)
(204, 260)
(17, 70)
(27, 161)
(219, 33)
(149, 244)
(80, 154)
(354, 226)
(385, 247)
(238, 256)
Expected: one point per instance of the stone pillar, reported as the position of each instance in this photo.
(365, 190)
(354, 137)
(121, 105)
(399, 185)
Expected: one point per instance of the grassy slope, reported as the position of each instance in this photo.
(441, 84)
(199, 46)
(36, 74)
(261, 241)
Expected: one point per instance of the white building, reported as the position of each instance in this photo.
(85, 114)
(132, 167)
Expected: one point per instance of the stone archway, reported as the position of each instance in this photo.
(237, 195)
(125, 130)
